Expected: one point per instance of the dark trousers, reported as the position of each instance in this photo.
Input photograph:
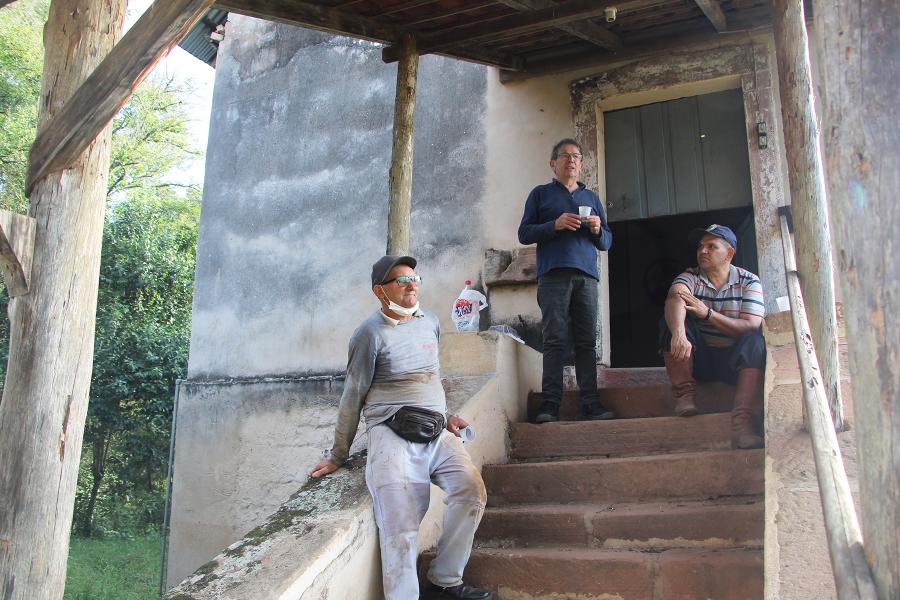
(568, 299)
(718, 364)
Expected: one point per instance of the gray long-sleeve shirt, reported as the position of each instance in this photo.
(390, 364)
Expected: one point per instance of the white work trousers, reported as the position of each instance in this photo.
(399, 474)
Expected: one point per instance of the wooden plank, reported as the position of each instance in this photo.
(808, 198)
(110, 85)
(714, 13)
(858, 52)
(852, 576)
(402, 152)
(586, 31)
(391, 10)
(557, 14)
(16, 251)
(51, 334)
(315, 16)
(599, 59)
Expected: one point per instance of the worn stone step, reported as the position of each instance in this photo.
(732, 523)
(593, 574)
(690, 475)
(620, 437)
(641, 401)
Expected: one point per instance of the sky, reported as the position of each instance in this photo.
(185, 67)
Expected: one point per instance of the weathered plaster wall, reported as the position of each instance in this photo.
(241, 449)
(295, 199)
(294, 214)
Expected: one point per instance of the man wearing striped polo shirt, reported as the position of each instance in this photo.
(712, 332)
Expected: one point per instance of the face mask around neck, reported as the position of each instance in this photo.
(401, 310)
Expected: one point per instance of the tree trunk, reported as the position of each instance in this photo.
(809, 202)
(100, 451)
(52, 327)
(860, 65)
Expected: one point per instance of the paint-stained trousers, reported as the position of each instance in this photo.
(399, 474)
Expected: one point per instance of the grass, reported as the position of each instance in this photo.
(113, 569)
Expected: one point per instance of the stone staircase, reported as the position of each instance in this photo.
(647, 507)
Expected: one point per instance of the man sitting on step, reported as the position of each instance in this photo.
(711, 332)
(393, 380)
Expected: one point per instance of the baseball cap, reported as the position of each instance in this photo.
(717, 230)
(383, 266)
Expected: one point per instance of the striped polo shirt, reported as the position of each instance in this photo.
(741, 295)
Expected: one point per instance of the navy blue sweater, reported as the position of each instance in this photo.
(560, 249)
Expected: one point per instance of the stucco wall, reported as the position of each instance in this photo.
(296, 196)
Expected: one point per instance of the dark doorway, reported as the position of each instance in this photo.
(645, 257)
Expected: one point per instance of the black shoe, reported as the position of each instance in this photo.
(596, 412)
(548, 411)
(460, 592)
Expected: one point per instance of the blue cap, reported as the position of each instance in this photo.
(717, 230)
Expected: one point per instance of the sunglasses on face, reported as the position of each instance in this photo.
(405, 280)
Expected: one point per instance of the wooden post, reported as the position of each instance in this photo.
(852, 577)
(808, 198)
(860, 66)
(52, 326)
(400, 178)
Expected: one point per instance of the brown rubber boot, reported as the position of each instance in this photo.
(681, 374)
(747, 404)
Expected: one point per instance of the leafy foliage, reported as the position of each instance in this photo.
(21, 62)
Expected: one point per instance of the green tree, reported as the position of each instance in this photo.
(143, 329)
(21, 64)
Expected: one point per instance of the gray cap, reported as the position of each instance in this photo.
(384, 265)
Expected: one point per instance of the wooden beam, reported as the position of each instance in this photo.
(537, 20)
(315, 16)
(16, 251)
(404, 6)
(451, 13)
(858, 53)
(586, 30)
(110, 85)
(51, 328)
(598, 59)
(714, 13)
(400, 176)
(808, 199)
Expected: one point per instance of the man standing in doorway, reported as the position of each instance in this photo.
(711, 332)
(567, 222)
(393, 379)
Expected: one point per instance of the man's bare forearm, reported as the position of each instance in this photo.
(734, 327)
(675, 314)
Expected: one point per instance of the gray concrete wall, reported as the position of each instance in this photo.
(296, 196)
(294, 214)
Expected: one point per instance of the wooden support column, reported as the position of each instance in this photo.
(809, 202)
(859, 54)
(400, 178)
(51, 342)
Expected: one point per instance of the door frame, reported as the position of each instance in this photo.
(692, 71)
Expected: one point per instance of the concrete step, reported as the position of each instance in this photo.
(635, 402)
(694, 475)
(732, 523)
(588, 574)
(620, 437)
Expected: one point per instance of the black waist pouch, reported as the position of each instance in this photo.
(416, 424)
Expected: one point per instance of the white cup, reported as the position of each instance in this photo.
(584, 212)
(467, 434)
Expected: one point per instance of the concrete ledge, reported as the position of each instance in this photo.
(521, 268)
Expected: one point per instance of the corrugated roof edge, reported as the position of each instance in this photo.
(198, 43)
